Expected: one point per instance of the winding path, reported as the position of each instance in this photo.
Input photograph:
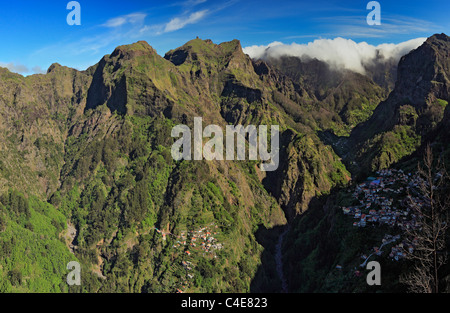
(382, 245)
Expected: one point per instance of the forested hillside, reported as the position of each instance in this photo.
(87, 175)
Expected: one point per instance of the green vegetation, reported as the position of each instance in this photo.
(109, 172)
(334, 241)
(86, 171)
(33, 257)
(442, 103)
(402, 141)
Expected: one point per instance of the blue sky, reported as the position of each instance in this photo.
(35, 34)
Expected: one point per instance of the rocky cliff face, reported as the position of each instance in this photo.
(96, 144)
(326, 98)
(322, 243)
(36, 113)
(423, 73)
(414, 108)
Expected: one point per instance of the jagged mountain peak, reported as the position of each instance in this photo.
(438, 38)
(114, 176)
(231, 46)
(204, 50)
(423, 73)
(413, 110)
(54, 67)
(133, 50)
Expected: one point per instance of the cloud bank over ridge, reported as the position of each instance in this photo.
(339, 53)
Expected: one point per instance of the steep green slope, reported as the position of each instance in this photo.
(33, 254)
(90, 152)
(322, 250)
(326, 98)
(102, 158)
(36, 113)
(412, 111)
(135, 186)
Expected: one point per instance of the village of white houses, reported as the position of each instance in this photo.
(388, 199)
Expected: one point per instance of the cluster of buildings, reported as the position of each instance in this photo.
(188, 266)
(376, 206)
(202, 241)
(397, 252)
(376, 203)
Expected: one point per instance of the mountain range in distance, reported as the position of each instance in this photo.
(87, 175)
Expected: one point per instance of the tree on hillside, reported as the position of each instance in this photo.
(429, 238)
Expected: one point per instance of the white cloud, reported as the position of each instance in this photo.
(16, 68)
(22, 69)
(340, 53)
(179, 23)
(133, 18)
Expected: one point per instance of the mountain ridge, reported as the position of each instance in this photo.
(93, 147)
(420, 94)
